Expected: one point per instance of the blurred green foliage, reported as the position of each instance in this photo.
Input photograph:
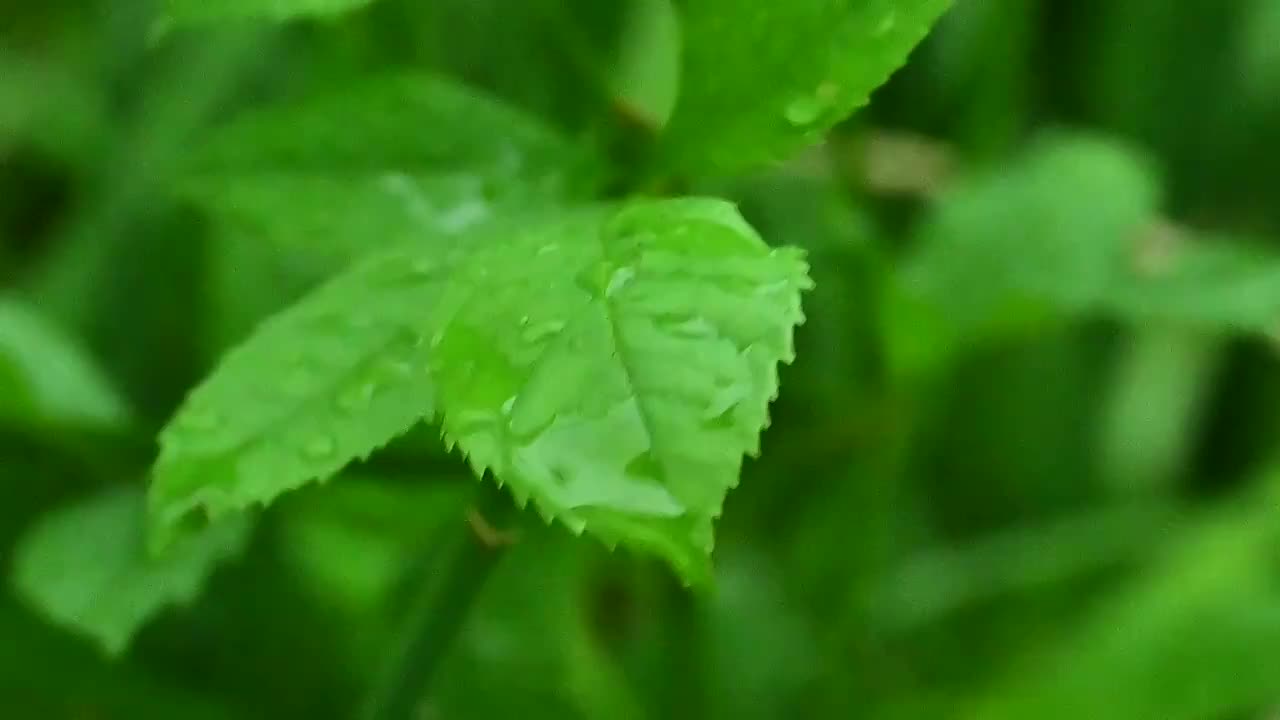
(1023, 466)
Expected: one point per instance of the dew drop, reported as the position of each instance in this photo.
(719, 410)
(618, 280)
(808, 109)
(694, 328)
(508, 405)
(542, 331)
(357, 398)
(421, 267)
(887, 24)
(300, 380)
(319, 447)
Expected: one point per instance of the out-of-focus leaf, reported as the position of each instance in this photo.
(1206, 282)
(1049, 235)
(46, 378)
(299, 190)
(87, 569)
(388, 161)
(761, 79)
(1195, 637)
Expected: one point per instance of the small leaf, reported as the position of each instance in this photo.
(46, 378)
(86, 567)
(612, 364)
(193, 12)
(761, 79)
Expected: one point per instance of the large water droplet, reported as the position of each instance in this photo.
(618, 280)
(694, 328)
(888, 23)
(541, 331)
(719, 410)
(300, 380)
(809, 108)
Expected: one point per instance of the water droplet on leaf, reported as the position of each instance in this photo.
(319, 447)
(542, 331)
(618, 280)
(812, 107)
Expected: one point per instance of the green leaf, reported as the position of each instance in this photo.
(1207, 282)
(381, 163)
(330, 379)
(1008, 250)
(86, 567)
(761, 79)
(193, 12)
(47, 378)
(613, 364)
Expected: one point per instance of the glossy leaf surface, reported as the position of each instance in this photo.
(613, 364)
(762, 79)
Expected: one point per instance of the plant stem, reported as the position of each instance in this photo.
(448, 592)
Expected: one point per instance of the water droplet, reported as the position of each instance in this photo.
(810, 108)
(508, 404)
(694, 328)
(300, 380)
(542, 331)
(618, 280)
(888, 23)
(319, 447)
(644, 467)
(524, 320)
(422, 267)
(719, 410)
(357, 398)
(463, 216)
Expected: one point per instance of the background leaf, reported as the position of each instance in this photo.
(86, 567)
(47, 378)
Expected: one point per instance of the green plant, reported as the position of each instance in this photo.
(531, 287)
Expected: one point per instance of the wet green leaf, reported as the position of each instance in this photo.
(613, 364)
(762, 79)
